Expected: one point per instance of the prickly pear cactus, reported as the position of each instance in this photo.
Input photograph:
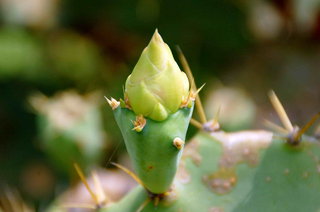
(243, 171)
(154, 152)
(155, 115)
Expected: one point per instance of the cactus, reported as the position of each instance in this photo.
(243, 171)
(248, 171)
(157, 98)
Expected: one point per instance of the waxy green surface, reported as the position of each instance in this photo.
(154, 157)
(282, 179)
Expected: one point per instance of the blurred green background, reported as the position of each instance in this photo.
(58, 58)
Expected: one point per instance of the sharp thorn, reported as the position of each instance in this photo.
(280, 111)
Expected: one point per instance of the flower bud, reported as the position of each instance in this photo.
(157, 86)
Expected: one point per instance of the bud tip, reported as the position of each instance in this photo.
(157, 37)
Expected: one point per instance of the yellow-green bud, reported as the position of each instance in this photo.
(156, 86)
